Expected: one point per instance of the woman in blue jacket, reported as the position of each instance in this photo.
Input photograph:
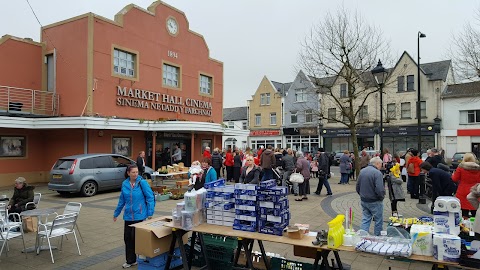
(136, 198)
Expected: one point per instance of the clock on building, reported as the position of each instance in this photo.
(172, 26)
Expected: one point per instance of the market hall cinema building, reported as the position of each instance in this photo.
(142, 81)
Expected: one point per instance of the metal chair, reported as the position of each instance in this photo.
(8, 229)
(36, 201)
(62, 225)
(71, 208)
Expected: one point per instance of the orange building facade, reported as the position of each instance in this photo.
(140, 82)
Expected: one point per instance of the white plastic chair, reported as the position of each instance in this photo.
(36, 201)
(61, 226)
(8, 228)
(71, 208)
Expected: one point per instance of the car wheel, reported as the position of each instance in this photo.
(89, 189)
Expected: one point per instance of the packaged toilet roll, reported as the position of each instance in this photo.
(446, 247)
(446, 222)
(447, 203)
(422, 236)
(190, 201)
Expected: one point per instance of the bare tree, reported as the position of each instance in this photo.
(342, 49)
(465, 51)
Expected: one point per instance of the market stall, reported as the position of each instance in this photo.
(257, 213)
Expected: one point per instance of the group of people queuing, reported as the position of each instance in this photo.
(389, 172)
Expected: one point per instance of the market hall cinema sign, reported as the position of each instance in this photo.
(144, 99)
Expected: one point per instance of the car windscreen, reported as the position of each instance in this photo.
(458, 156)
(63, 164)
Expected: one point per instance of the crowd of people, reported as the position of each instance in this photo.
(387, 172)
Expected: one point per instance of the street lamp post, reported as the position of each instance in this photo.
(380, 74)
(421, 195)
(419, 114)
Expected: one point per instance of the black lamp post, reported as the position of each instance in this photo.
(380, 74)
(419, 114)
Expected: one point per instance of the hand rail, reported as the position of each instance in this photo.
(15, 100)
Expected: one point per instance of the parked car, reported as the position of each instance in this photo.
(336, 158)
(90, 173)
(456, 159)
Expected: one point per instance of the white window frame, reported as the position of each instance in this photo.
(344, 92)
(273, 119)
(308, 114)
(258, 119)
(293, 115)
(300, 95)
(423, 109)
(402, 110)
(205, 84)
(265, 99)
(171, 75)
(231, 124)
(329, 115)
(244, 125)
(363, 113)
(124, 63)
(391, 114)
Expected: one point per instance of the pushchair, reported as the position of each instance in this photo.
(278, 174)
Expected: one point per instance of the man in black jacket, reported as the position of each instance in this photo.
(141, 163)
(323, 171)
(434, 157)
(442, 183)
(217, 161)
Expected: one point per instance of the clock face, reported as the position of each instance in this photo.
(172, 26)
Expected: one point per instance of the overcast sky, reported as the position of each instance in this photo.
(254, 38)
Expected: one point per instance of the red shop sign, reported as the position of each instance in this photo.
(264, 132)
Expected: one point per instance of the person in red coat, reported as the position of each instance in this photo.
(229, 164)
(206, 153)
(414, 176)
(466, 176)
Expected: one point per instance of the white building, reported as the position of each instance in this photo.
(235, 121)
(461, 115)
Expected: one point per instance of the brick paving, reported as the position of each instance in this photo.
(104, 248)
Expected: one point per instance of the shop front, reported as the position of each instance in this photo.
(399, 139)
(302, 139)
(264, 138)
(338, 140)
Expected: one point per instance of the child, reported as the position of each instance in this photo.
(395, 190)
(195, 172)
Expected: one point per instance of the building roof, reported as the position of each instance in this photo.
(437, 70)
(282, 88)
(470, 89)
(235, 114)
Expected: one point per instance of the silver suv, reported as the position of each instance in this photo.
(90, 173)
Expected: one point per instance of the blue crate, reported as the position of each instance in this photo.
(245, 202)
(272, 231)
(158, 262)
(217, 183)
(274, 191)
(271, 211)
(245, 192)
(271, 198)
(228, 206)
(268, 224)
(267, 184)
(246, 213)
(282, 204)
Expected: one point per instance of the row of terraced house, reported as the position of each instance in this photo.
(287, 114)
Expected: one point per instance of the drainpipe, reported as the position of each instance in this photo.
(85, 141)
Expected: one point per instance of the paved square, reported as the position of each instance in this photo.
(104, 248)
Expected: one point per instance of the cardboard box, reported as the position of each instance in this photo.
(152, 238)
